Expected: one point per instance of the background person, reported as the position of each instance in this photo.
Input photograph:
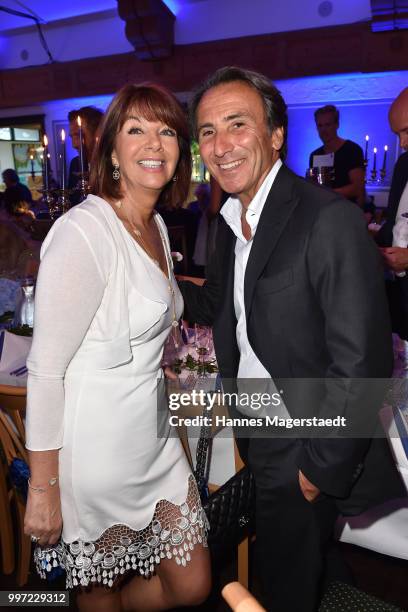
(346, 157)
(200, 207)
(393, 236)
(106, 300)
(12, 181)
(91, 118)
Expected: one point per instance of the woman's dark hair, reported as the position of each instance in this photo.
(274, 105)
(154, 103)
(14, 201)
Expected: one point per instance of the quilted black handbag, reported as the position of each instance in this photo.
(231, 508)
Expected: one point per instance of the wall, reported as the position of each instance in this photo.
(215, 20)
(102, 34)
(71, 39)
(56, 112)
(363, 100)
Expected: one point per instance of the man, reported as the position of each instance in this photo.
(345, 156)
(391, 236)
(12, 182)
(294, 290)
(91, 118)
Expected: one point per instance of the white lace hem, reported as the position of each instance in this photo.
(173, 533)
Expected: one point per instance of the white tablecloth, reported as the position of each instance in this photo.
(13, 355)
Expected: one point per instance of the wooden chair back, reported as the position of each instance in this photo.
(12, 446)
(13, 402)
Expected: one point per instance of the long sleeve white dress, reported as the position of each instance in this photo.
(102, 314)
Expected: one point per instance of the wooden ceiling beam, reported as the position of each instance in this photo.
(149, 28)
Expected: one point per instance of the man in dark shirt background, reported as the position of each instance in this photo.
(12, 181)
(345, 156)
(91, 118)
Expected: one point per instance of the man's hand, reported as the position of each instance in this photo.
(168, 373)
(396, 258)
(310, 492)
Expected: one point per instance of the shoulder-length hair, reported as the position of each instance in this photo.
(154, 103)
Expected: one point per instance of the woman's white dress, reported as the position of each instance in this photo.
(103, 312)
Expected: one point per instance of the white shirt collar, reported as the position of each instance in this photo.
(231, 211)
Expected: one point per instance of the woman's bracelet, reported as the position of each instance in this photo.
(51, 483)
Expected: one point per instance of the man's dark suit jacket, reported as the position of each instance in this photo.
(397, 289)
(316, 308)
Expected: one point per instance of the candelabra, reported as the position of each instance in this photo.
(47, 206)
(83, 186)
(63, 202)
(374, 176)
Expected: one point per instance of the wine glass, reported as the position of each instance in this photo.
(203, 344)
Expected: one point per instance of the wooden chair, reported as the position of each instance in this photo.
(6, 523)
(13, 402)
(13, 447)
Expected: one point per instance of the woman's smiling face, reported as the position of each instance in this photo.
(147, 153)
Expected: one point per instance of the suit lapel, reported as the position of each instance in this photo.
(228, 239)
(276, 212)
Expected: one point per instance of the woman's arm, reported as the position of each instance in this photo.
(43, 517)
(70, 287)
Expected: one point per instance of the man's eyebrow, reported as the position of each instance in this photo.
(232, 117)
(235, 116)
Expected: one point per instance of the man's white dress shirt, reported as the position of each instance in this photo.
(249, 364)
(400, 230)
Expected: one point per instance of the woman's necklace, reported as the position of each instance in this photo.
(138, 235)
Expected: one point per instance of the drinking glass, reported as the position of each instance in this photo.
(203, 344)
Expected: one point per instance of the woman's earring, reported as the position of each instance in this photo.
(174, 179)
(116, 172)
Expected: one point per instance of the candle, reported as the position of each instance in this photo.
(367, 138)
(46, 185)
(375, 159)
(384, 164)
(32, 166)
(81, 146)
(63, 169)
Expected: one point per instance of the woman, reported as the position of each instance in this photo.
(19, 254)
(106, 299)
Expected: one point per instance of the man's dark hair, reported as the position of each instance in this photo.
(274, 105)
(329, 108)
(11, 175)
(91, 116)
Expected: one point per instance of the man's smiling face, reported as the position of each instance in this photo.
(236, 143)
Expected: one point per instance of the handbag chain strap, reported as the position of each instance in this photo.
(203, 457)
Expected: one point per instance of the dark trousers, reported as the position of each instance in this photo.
(292, 535)
(397, 294)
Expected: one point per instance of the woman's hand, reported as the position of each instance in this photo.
(43, 518)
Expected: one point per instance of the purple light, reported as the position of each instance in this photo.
(174, 5)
